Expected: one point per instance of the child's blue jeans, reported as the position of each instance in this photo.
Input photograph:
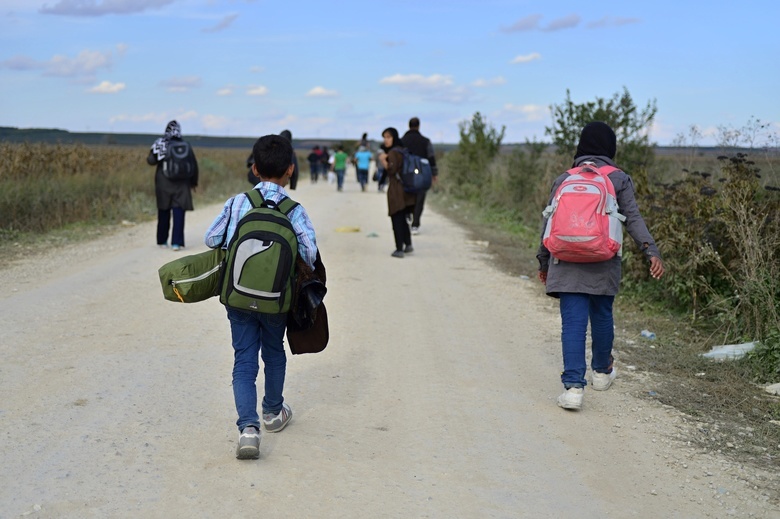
(255, 334)
(576, 311)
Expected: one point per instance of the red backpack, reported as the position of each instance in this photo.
(583, 223)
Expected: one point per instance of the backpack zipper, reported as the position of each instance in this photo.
(197, 278)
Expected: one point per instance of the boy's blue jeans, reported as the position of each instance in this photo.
(576, 310)
(340, 178)
(255, 334)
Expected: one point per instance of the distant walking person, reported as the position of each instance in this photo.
(363, 163)
(175, 178)
(585, 283)
(340, 166)
(315, 161)
(419, 145)
(399, 202)
(325, 163)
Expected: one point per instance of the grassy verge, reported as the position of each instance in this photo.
(55, 195)
(729, 414)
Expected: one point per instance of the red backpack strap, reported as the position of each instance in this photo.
(603, 170)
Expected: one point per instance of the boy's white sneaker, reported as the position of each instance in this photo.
(571, 398)
(276, 422)
(602, 381)
(248, 444)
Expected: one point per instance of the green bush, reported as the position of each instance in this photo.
(720, 238)
(764, 360)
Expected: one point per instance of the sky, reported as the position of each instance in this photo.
(247, 68)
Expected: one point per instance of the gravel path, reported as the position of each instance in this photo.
(435, 397)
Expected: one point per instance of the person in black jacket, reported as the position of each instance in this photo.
(173, 195)
(419, 145)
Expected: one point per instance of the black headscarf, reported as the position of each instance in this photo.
(396, 139)
(597, 138)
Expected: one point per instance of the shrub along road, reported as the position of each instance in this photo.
(435, 397)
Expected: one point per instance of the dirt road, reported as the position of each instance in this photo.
(435, 397)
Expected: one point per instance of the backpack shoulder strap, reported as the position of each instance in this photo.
(286, 205)
(255, 197)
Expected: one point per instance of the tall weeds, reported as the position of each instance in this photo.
(45, 187)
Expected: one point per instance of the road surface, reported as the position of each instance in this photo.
(435, 397)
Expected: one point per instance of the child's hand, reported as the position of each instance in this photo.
(543, 277)
(656, 267)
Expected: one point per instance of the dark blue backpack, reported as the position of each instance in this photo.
(416, 174)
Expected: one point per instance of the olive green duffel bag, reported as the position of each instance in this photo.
(193, 278)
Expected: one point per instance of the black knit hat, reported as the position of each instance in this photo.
(597, 138)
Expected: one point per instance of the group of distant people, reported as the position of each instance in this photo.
(586, 287)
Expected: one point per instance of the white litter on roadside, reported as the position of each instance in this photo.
(729, 351)
(774, 389)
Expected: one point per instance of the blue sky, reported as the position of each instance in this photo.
(338, 69)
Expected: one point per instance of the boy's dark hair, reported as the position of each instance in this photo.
(341, 148)
(414, 123)
(273, 155)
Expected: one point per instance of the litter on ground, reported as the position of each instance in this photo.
(729, 351)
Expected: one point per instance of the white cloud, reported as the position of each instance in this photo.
(100, 8)
(225, 91)
(259, 90)
(567, 22)
(612, 21)
(319, 91)
(215, 122)
(107, 87)
(256, 70)
(181, 84)
(121, 48)
(529, 112)
(433, 88)
(526, 58)
(84, 65)
(482, 83)
(417, 80)
(160, 118)
(529, 23)
(189, 115)
(222, 25)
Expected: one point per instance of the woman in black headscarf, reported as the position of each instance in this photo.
(587, 290)
(399, 202)
(174, 195)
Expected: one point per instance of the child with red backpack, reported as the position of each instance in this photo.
(579, 257)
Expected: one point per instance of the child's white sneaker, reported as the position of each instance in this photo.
(571, 398)
(602, 381)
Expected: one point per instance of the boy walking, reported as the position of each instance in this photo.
(258, 334)
(587, 288)
(340, 166)
(362, 164)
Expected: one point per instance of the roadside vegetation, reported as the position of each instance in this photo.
(58, 193)
(714, 214)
